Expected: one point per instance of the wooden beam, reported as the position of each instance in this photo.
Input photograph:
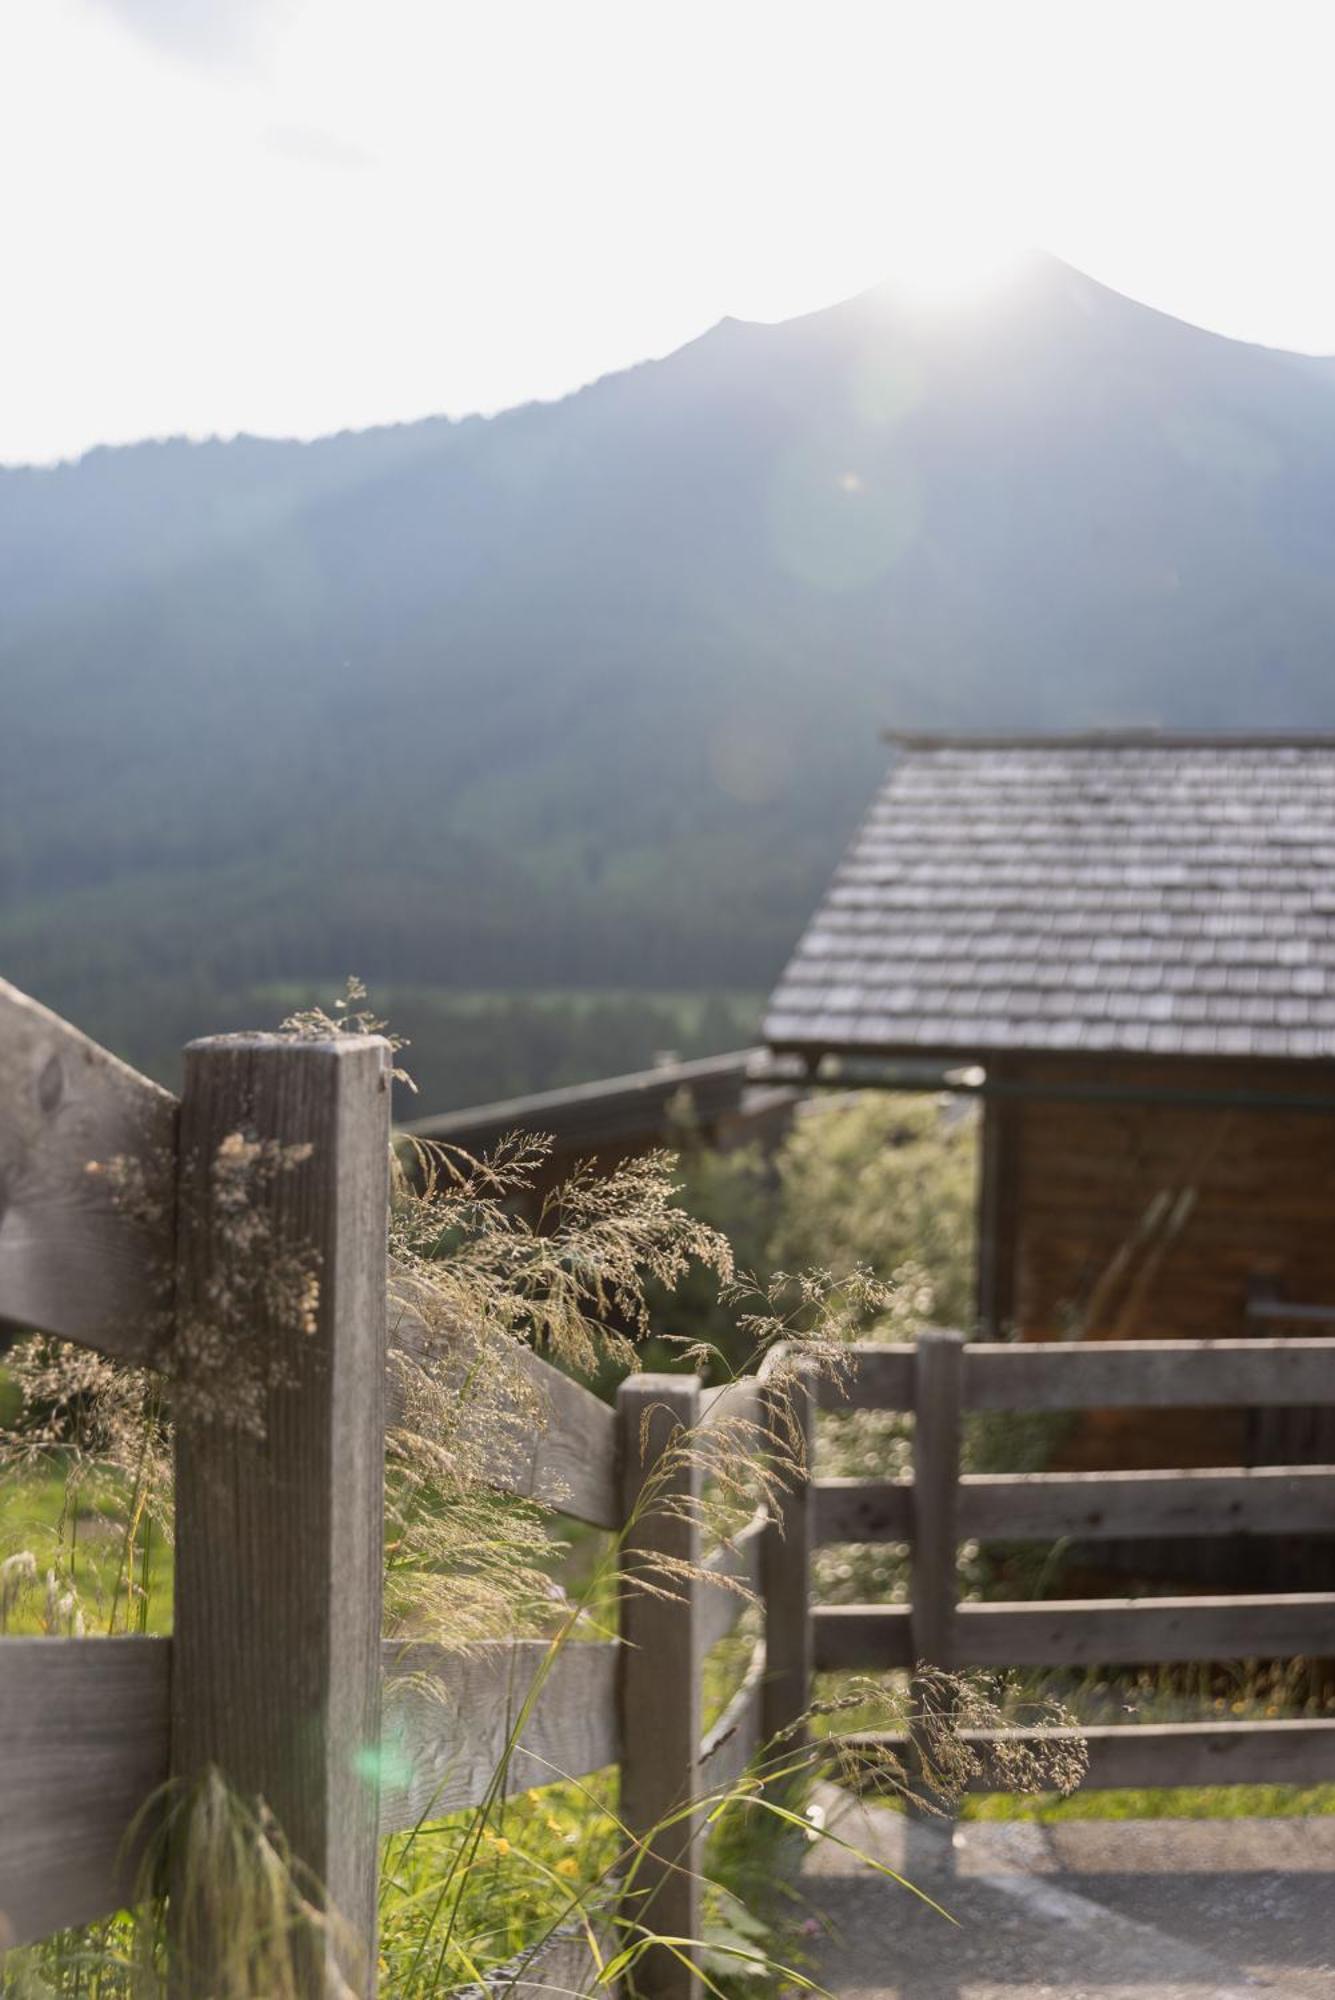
(276, 1665)
(87, 1189)
(1093, 1506)
(999, 1162)
(1149, 1630)
(738, 1735)
(736, 1402)
(1101, 1506)
(936, 1472)
(84, 1725)
(86, 1728)
(567, 1461)
(861, 1635)
(454, 1720)
(1133, 1756)
(660, 1674)
(1089, 1632)
(786, 1556)
(1103, 1375)
(878, 1377)
(1149, 1374)
(740, 1559)
(862, 1510)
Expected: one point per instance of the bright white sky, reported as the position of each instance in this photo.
(294, 216)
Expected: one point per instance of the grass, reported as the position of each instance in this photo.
(77, 1532)
(1163, 1802)
(1162, 1695)
(457, 1894)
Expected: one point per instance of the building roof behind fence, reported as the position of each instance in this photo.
(1136, 893)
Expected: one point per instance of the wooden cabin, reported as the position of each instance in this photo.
(1127, 942)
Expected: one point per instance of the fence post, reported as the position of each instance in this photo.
(790, 1421)
(938, 1395)
(276, 1649)
(660, 1671)
(938, 1398)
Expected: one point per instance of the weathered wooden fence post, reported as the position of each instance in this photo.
(281, 1299)
(938, 1397)
(790, 1420)
(660, 1671)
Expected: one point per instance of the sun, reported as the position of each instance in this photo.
(950, 258)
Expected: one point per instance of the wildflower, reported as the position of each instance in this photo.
(567, 1865)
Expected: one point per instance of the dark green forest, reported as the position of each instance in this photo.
(586, 697)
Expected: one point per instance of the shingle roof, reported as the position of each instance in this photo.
(1140, 894)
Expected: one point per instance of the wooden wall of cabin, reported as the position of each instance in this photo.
(1137, 1220)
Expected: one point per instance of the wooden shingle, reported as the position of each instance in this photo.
(1114, 893)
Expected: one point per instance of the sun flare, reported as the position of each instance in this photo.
(950, 260)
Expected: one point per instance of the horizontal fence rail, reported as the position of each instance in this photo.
(1093, 1506)
(1135, 1756)
(85, 1726)
(75, 1260)
(939, 1507)
(72, 1791)
(740, 1561)
(737, 1736)
(451, 1721)
(1086, 1632)
(1101, 1375)
(561, 1446)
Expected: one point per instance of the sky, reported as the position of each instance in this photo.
(297, 216)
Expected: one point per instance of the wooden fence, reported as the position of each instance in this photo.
(113, 1234)
(277, 1672)
(940, 1377)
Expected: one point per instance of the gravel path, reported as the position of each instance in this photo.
(1089, 1910)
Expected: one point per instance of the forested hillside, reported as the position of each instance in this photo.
(588, 694)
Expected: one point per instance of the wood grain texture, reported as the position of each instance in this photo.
(1096, 1506)
(877, 1378)
(85, 1730)
(861, 1635)
(720, 1608)
(998, 1207)
(569, 1461)
(276, 1673)
(862, 1510)
(1179, 1753)
(1261, 1185)
(738, 1734)
(450, 1718)
(1146, 1630)
(1088, 1632)
(938, 1399)
(786, 1556)
(77, 1258)
(735, 1402)
(660, 1672)
(1146, 1374)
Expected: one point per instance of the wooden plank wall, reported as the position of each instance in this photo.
(1152, 1221)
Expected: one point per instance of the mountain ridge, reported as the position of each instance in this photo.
(589, 692)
